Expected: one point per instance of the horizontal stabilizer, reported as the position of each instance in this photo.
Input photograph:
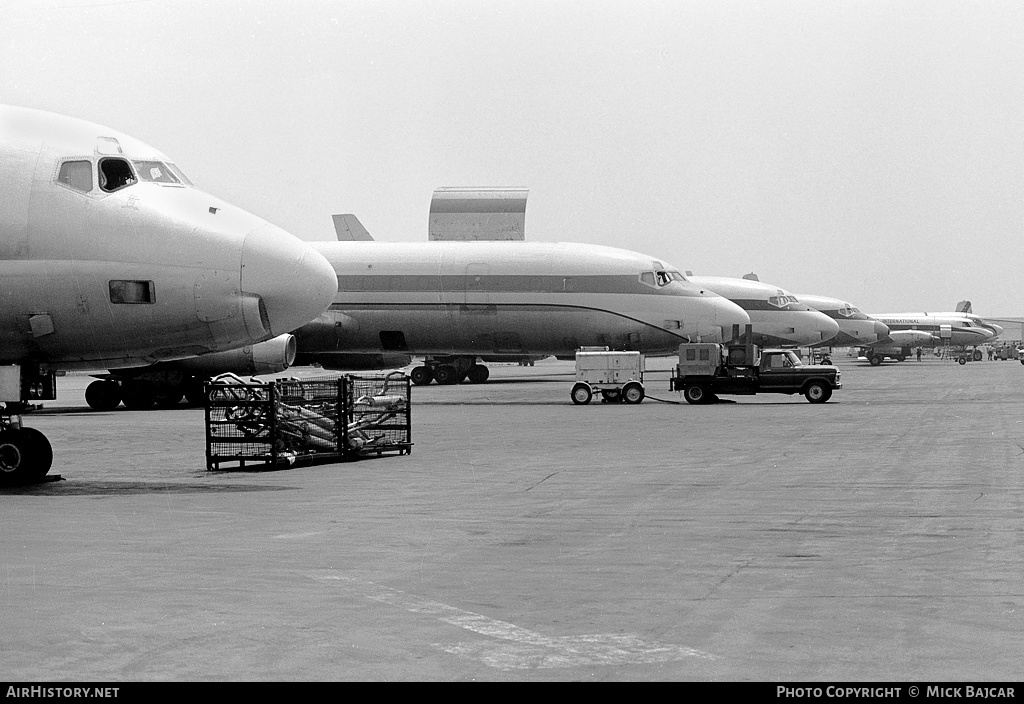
(478, 214)
(348, 228)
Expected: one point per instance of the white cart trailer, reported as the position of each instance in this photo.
(618, 376)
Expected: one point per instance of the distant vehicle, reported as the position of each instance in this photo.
(1004, 352)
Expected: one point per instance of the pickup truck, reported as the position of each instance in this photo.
(707, 369)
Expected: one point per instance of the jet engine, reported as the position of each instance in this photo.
(268, 357)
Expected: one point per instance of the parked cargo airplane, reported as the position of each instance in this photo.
(459, 301)
(855, 328)
(778, 318)
(909, 330)
(110, 257)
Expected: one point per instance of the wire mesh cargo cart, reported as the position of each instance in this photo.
(290, 422)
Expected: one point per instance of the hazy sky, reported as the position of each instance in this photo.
(870, 151)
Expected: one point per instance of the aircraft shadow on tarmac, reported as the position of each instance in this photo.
(120, 488)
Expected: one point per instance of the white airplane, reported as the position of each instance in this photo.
(960, 329)
(855, 328)
(459, 301)
(110, 257)
(779, 318)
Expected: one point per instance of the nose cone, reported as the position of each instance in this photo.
(728, 315)
(825, 326)
(997, 329)
(295, 282)
(881, 331)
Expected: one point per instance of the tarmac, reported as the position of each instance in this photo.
(877, 537)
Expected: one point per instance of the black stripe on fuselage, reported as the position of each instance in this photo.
(491, 309)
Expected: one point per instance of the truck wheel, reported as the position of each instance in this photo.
(817, 392)
(695, 394)
(632, 392)
(875, 360)
(581, 394)
(962, 360)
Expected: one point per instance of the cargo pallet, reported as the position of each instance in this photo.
(288, 422)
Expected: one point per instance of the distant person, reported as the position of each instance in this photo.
(918, 354)
(990, 354)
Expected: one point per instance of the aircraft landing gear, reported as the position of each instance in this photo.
(449, 370)
(25, 454)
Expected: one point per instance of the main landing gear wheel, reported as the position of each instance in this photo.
(25, 456)
(446, 375)
(478, 374)
(138, 395)
(818, 392)
(977, 355)
(696, 394)
(632, 393)
(169, 397)
(581, 394)
(421, 376)
(103, 395)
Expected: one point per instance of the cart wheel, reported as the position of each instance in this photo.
(581, 394)
(632, 392)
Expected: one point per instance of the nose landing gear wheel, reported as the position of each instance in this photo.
(25, 455)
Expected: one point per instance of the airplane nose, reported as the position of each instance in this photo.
(727, 315)
(826, 326)
(293, 282)
(997, 328)
(881, 330)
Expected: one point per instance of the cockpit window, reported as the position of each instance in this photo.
(177, 172)
(663, 278)
(115, 174)
(155, 171)
(77, 175)
(782, 301)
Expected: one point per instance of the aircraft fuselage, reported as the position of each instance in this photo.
(508, 298)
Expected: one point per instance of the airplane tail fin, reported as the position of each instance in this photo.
(348, 228)
(478, 214)
(964, 307)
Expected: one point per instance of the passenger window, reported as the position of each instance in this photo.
(77, 175)
(132, 291)
(115, 174)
